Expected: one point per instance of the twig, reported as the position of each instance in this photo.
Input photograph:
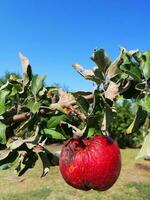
(43, 110)
(16, 118)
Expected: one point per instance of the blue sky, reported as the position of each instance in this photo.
(54, 34)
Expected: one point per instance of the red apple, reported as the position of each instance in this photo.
(90, 163)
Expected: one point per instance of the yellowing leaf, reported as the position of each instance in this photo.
(145, 150)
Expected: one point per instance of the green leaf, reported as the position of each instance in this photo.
(131, 68)
(23, 126)
(144, 60)
(147, 103)
(3, 95)
(83, 103)
(98, 103)
(33, 106)
(2, 133)
(138, 121)
(145, 150)
(37, 84)
(13, 92)
(33, 139)
(54, 121)
(108, 117)
(6, 85)
(2, 108)
(53, 134)
(113, 69)
(91, 132)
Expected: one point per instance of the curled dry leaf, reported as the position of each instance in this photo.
(65, 97)
(25, 61)
(111, 91)
(65, 101)
(101, 59)
(27, 71)
(82, 71)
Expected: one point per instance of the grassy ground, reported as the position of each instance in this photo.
(133, 183)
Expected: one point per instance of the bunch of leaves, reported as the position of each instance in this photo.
(129, 77)
(31, 112)
(125, 112)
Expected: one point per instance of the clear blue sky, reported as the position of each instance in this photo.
(54, 34)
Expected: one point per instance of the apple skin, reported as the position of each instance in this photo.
(93, 163)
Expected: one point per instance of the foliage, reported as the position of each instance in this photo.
(31, 112)
(7, 75)
(125, 111)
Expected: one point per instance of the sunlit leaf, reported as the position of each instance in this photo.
(3, 95)
(2, 133)
(33, 106)
(145, 150)
(54, 121)
(27, 71)
(53, 134)
(14, 144)
(145, 63)
(113, 69)
(5, 85)
(89, 74)
(131, 68)
(37, 84)
(138, 121)
(91, 132)
(147, 103)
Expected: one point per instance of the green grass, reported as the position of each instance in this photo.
(39, 194)
(133, 183)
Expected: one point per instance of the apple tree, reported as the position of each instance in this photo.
(32, 113)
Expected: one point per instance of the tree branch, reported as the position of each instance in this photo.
(16, 118)
(43, 110)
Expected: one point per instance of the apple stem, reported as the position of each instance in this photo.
(77, 133)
